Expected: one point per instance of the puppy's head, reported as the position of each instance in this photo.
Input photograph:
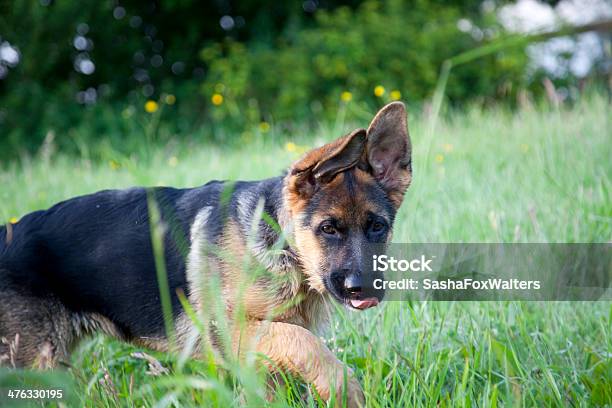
(342, 197)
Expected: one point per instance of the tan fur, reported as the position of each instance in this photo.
(311, 257)
(316, 165)
(295, 349)
(279, 331)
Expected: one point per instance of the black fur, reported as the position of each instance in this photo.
(94, 253)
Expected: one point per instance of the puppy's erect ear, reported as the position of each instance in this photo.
(388, 151)
(320, 165)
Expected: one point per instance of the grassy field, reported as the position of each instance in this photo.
(537, 175)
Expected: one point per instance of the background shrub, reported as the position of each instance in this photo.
(86, 69)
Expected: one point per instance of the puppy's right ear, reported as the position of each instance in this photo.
(320, 165)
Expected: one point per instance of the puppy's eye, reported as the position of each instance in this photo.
(378, 226)
(328, 229)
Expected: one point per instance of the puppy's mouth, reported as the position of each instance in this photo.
(363, 304)
(351, 301)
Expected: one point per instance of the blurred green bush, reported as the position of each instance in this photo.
(378, 52)
(271, 62)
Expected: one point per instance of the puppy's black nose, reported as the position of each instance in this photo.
(352, 283)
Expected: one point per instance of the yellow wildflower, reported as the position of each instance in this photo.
(217, 99)
(170, 99)
(290, 147)
(151, 106)
(13, 220)
(439, 158)
(173, 161)
(114, 165)
(346, 96)
(264, 127)
(379, 90)
(396, 95)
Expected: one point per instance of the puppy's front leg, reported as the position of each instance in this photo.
(297, 350)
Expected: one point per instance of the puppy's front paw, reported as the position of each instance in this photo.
(348, 393)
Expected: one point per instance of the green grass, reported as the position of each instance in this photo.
(537, 175)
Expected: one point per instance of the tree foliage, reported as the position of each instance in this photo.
(258, 60)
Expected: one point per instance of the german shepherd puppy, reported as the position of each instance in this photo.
(87, 264)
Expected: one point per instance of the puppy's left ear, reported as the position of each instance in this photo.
(319, 166)
(388, 151)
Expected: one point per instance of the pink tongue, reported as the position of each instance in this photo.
(364, 303)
